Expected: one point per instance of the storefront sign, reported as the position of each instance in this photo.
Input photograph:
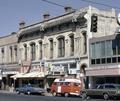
(57, 68)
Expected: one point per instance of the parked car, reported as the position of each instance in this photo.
(103, 90)
(29, 89)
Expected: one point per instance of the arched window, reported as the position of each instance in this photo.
(51, 48)
(40, 49)
(33, 51)
(61, 47)
(11, 53)
(15, 49)
(71, 45)
(25, 52)
(84, 41)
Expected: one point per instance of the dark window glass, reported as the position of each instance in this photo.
(114, 45)
(100, 87)
(103, 60)
(118, 59)
(51, 48)
(114, 60)
(109, 86)
(93, 61)
(73, 65)
(61, 47)
(108, 60)
(72, 45)
(97, 61)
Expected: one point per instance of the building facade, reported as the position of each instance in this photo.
(8, 60)
(60, 46)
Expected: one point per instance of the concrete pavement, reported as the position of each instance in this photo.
(13, 92)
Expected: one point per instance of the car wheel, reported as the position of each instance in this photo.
(28, 92)
(66, 94)
(84, 95)
(18, 92)
(106, 96)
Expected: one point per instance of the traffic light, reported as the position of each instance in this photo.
(94, 19)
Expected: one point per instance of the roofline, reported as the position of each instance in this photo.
(48, 19)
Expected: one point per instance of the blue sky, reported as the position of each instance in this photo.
(31, 11)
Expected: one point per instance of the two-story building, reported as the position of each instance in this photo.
(8, 60)
(59, 46)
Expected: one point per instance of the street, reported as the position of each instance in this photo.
(15, 97)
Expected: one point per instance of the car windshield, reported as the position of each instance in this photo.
(118, 86)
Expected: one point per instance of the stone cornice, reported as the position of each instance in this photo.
(69, 17)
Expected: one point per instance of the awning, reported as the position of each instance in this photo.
(33, 75)
(29, 75)
(19, 75)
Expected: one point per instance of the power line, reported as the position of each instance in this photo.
(88, 1)
(50, 2)
(93, 2)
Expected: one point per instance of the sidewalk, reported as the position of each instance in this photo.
(5, 91)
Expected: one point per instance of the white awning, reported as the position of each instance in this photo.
(19, 75)
(34, 74)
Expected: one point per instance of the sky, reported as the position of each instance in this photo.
(31, 11)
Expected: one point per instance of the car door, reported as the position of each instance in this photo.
(110, 89)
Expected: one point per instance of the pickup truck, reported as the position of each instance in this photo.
(102, 90)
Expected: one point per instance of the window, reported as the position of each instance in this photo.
(92, 50)
(61, 47)
(33, 51)
(103, 60)
(3, 53)
(97, 61)
(25, 53)
(100, 87)
(103, 49)
(11, 53)
(15, 48)
(114, 59)
(51, 48)
(73, 65)
(85, 42)
(72, 45)
(109, 86)
(40, 50)
(93, 61)
(108, 60)
(114, 45)
(118, 59)
(97, 50)
(108, 48)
